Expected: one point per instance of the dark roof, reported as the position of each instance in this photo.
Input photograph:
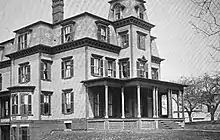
(7, 41)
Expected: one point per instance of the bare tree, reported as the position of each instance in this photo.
(210, 92)
(191, 95)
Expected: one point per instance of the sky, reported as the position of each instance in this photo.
(186, 52)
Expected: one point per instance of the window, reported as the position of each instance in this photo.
(67, 102)
(14, 133)
(154, 74)
(117, 12)
(24, 133)
(67, 68)
(110, 68)
(140, 11)
(124, 39)
(103, 33)
(46, 70)
(96, 66)
(24, 73)
(124, 69)
(14, 104)
(45, 103)
(1, 81)
(5, 108)
(25, 107)
(141, 40)
(66, 33)
(141, 68)
(110, 105)
(68, 125)
(23, 41)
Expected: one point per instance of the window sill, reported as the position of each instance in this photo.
(94, 75)
(68, 113)
(66, 78)
(24, 82)
(46, 80)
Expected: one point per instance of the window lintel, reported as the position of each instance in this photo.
(123, 32)
(67, 58)
(47, 61)
(123, 59)
(69, 22)
(67, 90)
(23, 64)
(110, 59)
(97, 56)
(47, 92)
(141, 33)
(103, 23)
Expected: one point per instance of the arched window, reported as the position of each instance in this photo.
(117, 11)
(140, 11)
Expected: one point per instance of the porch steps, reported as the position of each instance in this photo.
(169, 125)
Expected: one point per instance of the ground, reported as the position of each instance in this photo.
(147, 135)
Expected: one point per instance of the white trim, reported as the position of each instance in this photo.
(67, 122)
(24, 125)
(14, 125)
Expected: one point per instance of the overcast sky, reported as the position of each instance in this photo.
(186, 52)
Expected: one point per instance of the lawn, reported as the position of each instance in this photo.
(141, 135)
(204, 125)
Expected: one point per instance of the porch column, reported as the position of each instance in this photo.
(157, 106)
(139, 101)
(178, 106)
(154, 103)
(122, 103)
(182, 99)
(106, 101)
(170, 103)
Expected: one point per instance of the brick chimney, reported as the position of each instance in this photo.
(57, 10)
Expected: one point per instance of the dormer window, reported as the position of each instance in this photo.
(23, 41)
(117, 12)
(140, 11)
(66, 33)
(103, 33)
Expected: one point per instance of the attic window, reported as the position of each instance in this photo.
(140, 11)
(23, 40)
(103, 32)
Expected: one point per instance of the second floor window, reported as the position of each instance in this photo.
(14, 104)
(23, 41)
(5, 105)
(24, 73)
(141, 69)
(67, 102)
(25, 105)
(110, 68)
(1, 82)
(45, 70)
(124, 69)
(96, 66)
(45, 102)
(124, 39)
(66, 33)
(141, 41)
(67, 68)
(154, 74)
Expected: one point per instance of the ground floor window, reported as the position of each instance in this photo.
(24, 133)
(14, 133)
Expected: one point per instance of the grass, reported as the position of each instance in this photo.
(142, 135)
(204, 125)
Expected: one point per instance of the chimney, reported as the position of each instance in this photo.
(57, 10)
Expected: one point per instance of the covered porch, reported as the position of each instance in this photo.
(136, 103)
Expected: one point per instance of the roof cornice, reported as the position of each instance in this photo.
(5, 64)
(133, 21)
(65, 47)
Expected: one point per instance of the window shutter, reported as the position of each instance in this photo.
(49, 106)
(20, 133)
(42, 70)
(114, 69)
(92, 66)
(108, 34)
(49, 71)
(106, 68)
(63, 103)
(101, 67)
(29, 104)
(16, 107)
(62, 35)
(120, 70)
(22, 105)
(62, 70)
(72, 68)
(138, 40)
(138, 69)
(72, 102)
(128, 69)
(28, 133)
(28, 73)
(19, 75)
(42, 104)
(99, 32)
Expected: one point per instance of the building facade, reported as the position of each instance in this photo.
(85, 73)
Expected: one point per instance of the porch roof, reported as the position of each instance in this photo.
(4, 93)
(143, 82)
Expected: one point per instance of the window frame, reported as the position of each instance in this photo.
(24, 73)
(123, 69)
(110, 67)
(25, 108)
(1, 82)
(65, 110)
(102, 25)
(5, 108)
(66, 35)
(22, 135)
(96, 68)
(124, 36)
(141, 40)
(64, 68)
(15, 104)
(23, 41)
(46, 71)
(155, 74)
(141, 69)
(43, 103)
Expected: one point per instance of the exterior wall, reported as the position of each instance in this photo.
(34, 81)
(8, 48)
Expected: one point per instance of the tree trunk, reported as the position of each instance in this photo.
(190, 116)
